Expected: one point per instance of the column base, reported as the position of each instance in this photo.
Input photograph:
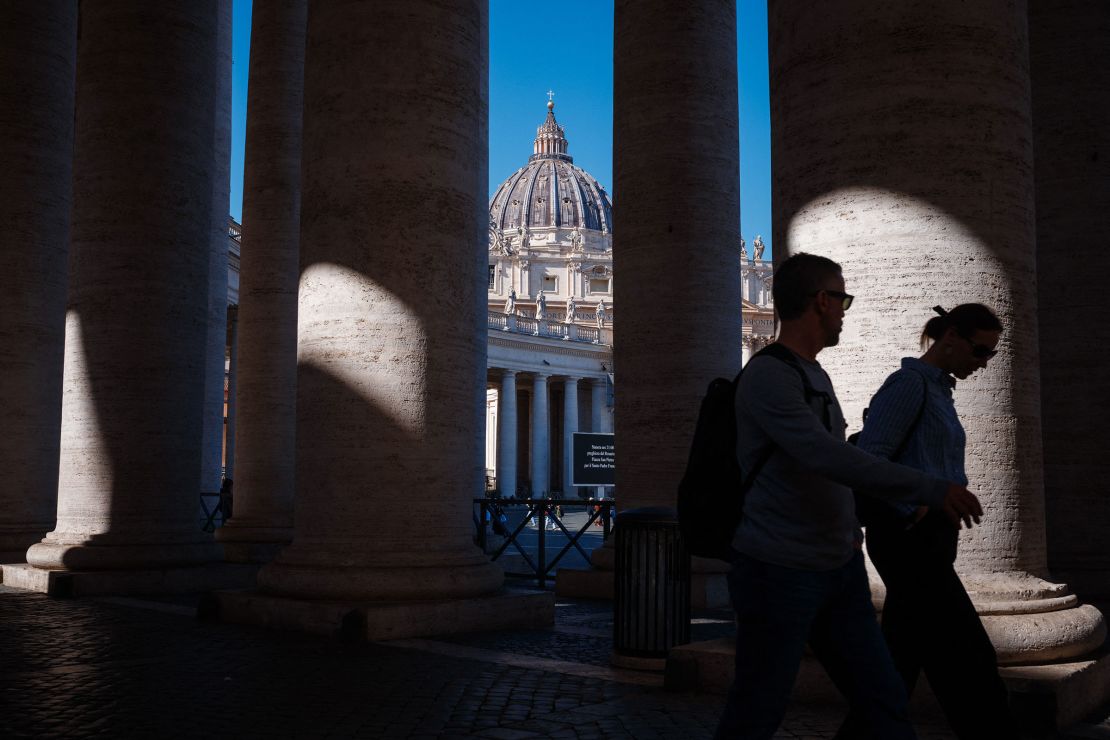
(96, 553)
(1029, 620)
(1042, 697)
(64, 583)
(353, 574)
(245, 543)
(363, 620)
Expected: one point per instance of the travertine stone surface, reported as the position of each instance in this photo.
(135, 331)
(675, 231)
(267, 354)
(213, 421)
(38, 50)
(902, 148)
(391, 321)
(1070, 70)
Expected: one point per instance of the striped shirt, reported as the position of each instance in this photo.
(936, 444)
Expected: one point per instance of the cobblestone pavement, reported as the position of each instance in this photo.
(128, 668)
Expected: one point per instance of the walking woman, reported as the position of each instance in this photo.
(928, 619)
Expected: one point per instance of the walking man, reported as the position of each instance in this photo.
(798, 573)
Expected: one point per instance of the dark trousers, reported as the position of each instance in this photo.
(777, 611)
(930, 625)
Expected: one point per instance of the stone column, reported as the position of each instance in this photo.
(138, 290)
(215, 350)
(540, 457)
(676, 166)
(570, 426)
(391, 334)
(232, 386)
(38, 49)
(265, 451)
(1071, 141)
(598, 412)
(746, 350)
(507, 433)
(903, 150)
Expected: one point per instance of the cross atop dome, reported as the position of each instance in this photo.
(550, 138)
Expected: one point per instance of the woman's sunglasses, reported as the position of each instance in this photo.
(981, 351)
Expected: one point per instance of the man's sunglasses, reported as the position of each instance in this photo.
(845, 299)
(980, 351)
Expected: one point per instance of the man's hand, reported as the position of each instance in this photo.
(960, 504)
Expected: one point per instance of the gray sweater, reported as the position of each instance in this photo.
(800, 512)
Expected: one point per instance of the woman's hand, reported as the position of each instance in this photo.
(960, 504)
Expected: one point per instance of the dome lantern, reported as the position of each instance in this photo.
(550, 191)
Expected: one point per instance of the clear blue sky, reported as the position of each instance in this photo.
(530, 55)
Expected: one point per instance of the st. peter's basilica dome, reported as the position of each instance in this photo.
(550, 191)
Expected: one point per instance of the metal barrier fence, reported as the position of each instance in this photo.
(215, 508)
(490, 511)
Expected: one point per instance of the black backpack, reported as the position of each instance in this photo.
(711, 494)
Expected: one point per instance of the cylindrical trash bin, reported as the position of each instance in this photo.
(651, 599)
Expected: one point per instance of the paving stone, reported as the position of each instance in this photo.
(101, 668)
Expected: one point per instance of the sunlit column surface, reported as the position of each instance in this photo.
(136, 322)
(540, 457)
(902, 148)
(267, 363)
(507, 434)
(391, 324)
(38, 47)
(570, 426)
(1070, 69)
(676, 173)
(213, 421)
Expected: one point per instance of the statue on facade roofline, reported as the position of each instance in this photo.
(570, 310)
(599, 313)
(510, 302)
(759, 247)
(576, 239)
(541, 306)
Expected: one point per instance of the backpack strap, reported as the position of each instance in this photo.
(784, 355)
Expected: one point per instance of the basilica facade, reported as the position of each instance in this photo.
(551, 317)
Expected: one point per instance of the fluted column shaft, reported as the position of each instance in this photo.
(540, 457)
(598, 412)
(676, 167)
(138, 289)
(507, 434)
(1071, 138)
(570, 426)
(391, 344)
(903, 150)
(38, 49)
(216, 346)
(746, 350)
(266, 396)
